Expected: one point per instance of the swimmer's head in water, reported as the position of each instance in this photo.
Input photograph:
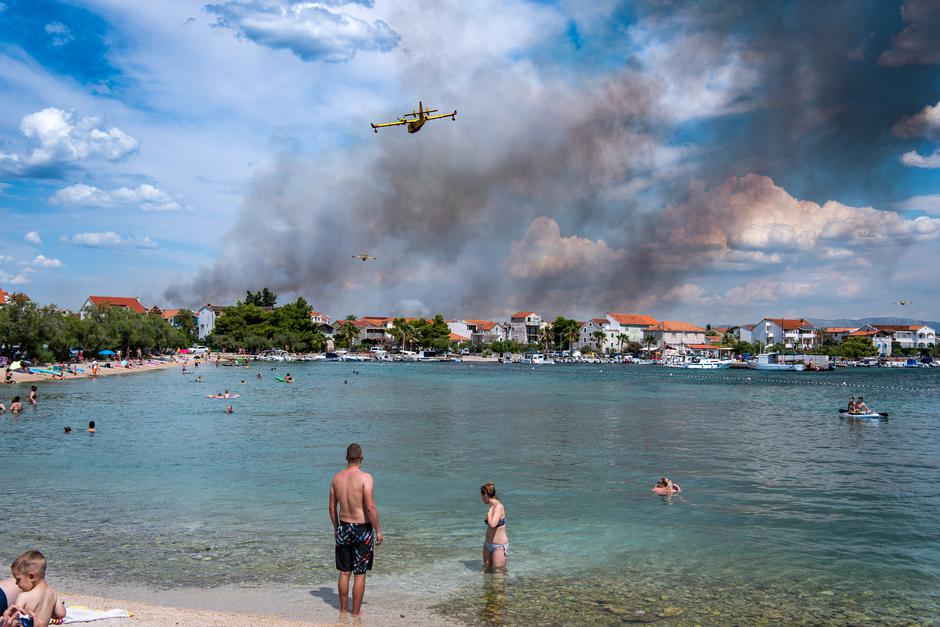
(91, 424)
(488, 490)
(353, 453)
(68, 429)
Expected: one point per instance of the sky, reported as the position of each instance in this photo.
(712, 161)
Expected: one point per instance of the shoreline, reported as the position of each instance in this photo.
(234, 606)
(36, 377)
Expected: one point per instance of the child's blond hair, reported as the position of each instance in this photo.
(30, 561)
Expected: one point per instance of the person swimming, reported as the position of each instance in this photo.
(665, 486)
(91, 427)
(229, 410)
(288, 378)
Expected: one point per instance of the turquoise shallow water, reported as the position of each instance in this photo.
(788, 513)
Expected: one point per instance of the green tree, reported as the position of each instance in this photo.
(348, 332)
(261, 298)
(185, 321)
(404, 333)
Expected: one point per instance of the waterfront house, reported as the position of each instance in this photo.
(319, 318)
(3, 296)
(206, 318)
(744, 333)
(906, 336)
(630, 324)
(478, 331)
(592, 326)
(169, 315)
(673, 334)
(792, 333)
(525, 327)
(132, 304)
(881, 339)
(835, 334)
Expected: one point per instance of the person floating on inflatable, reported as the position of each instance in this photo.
(666, 487)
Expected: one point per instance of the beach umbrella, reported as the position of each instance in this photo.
(18, 366)
(106, 352)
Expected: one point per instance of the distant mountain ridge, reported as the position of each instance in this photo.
(845, 322)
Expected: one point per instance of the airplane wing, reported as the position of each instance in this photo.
(452, 116)
(376, 127)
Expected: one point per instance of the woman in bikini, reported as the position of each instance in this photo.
(496, 544)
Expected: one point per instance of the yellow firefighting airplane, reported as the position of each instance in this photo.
(363, 257)
(419, 117)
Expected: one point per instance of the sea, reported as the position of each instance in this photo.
(788, 514)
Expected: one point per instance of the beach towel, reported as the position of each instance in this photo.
(82, 614)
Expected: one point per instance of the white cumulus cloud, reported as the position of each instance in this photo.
(46, 262)
(33, 238)
(311, 30)
(14, 279)
(925, 123)
(110, 239)
(62, 141)
(928, 204)
(914, 159)
(145, 196)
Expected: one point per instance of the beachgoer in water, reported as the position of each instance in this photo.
(68, 429)
(496, 542)
(853, 407)
(243, 380)
(32, 394)
(665, 486)
(288, 378)
(229, 410)
(15, 405)
(861, 407)
(226, 395)
(91, 427)
(356, 527)
(259, 375)
(199, 379)
(3, 408)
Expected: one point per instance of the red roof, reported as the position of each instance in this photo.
(632, 319)
(707, 347)
(169, 314)
(788, 324)
(864, 333)
(897, 327)
(117, 301)
(522, 314)
(3, 296)
(675, 326)
(457, 338)
(839, 329)
(599, 321)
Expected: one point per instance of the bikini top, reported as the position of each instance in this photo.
(501, 523)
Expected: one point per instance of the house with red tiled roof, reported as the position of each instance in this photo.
(791, 332)
(906, 336)
(3, 296)
(479, 331)
(672, 334)
(106, 302)
(630, 324)
(835, 334)
(587, 339)
(525, 327)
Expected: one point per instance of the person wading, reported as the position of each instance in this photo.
(356, 527)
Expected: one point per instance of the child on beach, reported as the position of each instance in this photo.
(8, 377)
(37, 603)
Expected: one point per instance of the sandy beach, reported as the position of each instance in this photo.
(280, 606)
(103, 371)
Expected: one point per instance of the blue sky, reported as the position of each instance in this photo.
(710, 161)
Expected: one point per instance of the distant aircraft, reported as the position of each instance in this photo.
(419, 117)
(363, 257)
(902, 302)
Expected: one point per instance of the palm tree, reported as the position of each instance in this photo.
(546, 336)
(648, 340)
(570, 335)
(598, 340)
(622, 338)
(348, 332)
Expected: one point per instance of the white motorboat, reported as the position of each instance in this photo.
(775, 361)
(533, 358)
(275, 354)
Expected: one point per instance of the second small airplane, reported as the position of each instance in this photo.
(418, 118)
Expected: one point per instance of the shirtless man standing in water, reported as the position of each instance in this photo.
(356, 526)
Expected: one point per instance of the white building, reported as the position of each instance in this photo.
(592, 326)
(126, 302)
(792, 333)
(881, 339)
(630, 324)
(744, 333)
(205, 319)
(674, 334)
(525, 327)
(478, 331)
